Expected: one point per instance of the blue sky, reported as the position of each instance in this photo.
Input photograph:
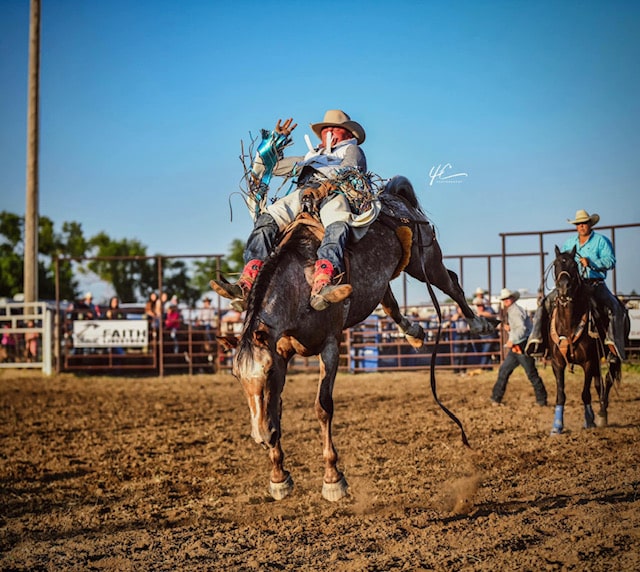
(144, 105)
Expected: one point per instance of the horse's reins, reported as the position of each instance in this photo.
(434, 353)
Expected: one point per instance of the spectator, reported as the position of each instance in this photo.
(232, 322)
(460, 335)
(114, 312)
(162, 305)
(207, 319)
(172, 302)
(481, 293)
(489, 342)
(518, 325)
(172, 323)
(151, 310)
(92, 310)
(8, 344)
(31, 342)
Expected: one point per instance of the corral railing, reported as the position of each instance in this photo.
(26, 330)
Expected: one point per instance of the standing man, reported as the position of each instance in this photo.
(594, 256)
(518, 324)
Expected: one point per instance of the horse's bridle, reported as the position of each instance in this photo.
(564, 299)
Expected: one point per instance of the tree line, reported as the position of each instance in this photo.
(132, 280)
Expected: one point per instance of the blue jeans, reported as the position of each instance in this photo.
(510, 363)
(262, 241)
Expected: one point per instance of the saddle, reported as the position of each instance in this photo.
(588, 323)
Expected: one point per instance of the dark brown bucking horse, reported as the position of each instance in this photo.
(280, 322)
(576, 335)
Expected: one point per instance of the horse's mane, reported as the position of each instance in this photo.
(303, 244)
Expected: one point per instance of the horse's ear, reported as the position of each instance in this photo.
(557, 251)
(573, 251)
(228, 342)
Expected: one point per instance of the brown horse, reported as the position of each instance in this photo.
(576, 335)
(280, 322)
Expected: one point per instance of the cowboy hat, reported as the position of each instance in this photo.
(505, 294)
(584, 216)
(338, 118)
(479, 291)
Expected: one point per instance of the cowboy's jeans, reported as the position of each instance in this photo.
(262, 239)
(510, 363)
(333, 244)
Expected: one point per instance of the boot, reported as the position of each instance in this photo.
(323, 292)
(239, 291)
(609, 341)
(535, 344)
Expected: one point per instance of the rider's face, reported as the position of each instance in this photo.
(338, 134)
(583, 228)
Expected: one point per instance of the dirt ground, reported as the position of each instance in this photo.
(102, 473)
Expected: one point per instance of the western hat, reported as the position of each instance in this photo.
(584, 216)
(88, 295)
(338, 118)
(479, 301)
(479, 291)
(505, 294)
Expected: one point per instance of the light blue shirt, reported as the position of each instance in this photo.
(598, 249)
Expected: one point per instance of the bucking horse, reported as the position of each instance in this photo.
(280, 323)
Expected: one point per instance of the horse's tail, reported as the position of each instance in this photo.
(401, 186)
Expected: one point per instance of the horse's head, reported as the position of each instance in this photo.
(567, 277)
(261, 373)
(277, 304)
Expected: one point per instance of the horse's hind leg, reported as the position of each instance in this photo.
(334, 485)
(603, 387)
(428, 259)
(412, 331)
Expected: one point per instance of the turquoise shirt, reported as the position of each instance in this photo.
(598, 249)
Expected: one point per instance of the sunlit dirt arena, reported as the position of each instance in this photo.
(161, 474)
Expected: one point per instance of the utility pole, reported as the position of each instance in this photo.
(31, 212)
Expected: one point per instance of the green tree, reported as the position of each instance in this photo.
(50, 246)
(125, 266)
(178, 280)
(230, 266)
(11, 257)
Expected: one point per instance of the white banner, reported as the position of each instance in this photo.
(110, 333)
(634, 316)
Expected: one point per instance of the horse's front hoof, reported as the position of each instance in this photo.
(556, 431)
(335, 491)
(602, 420)
(281, 490)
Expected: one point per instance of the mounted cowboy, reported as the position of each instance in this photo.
(317, 190)
(595, 256)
